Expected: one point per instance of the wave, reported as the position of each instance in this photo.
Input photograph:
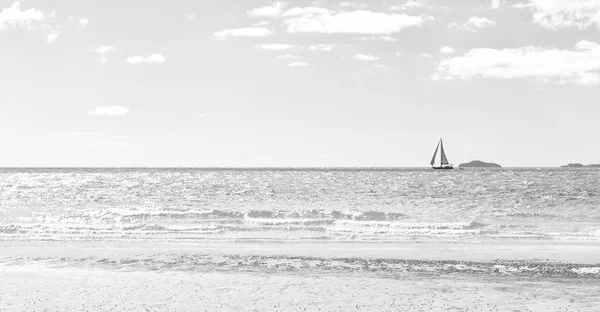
(275, 263)
(123, 215)
(285, 230)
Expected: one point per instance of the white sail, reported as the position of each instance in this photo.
(444, 160)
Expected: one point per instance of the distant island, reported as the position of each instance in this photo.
(479, 164)
(578, 165)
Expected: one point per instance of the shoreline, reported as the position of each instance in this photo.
(101, 276)
(457, 252)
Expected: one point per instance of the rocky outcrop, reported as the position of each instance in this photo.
(479, 164)
(578, 165)
(575, 165)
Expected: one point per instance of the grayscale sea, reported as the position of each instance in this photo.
(373, 239)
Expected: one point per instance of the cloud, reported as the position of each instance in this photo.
(190, 17)
(411, 4)
(16, 18)
(274, 46)
(308, 11)
(322, 47)
(33, 19)
(299, 64)
(78, 23)
(356, 22)
(473, 24)
(496, 4)
(52, 36)
(353, 5)
(83, 22)
(425, 55)
(104, 49)
(365, 57)
(446, 50)
(287, 56)
(380, 66)
(580, 65)
(152, 59)
(243, 32)
(557, 14)
(381, 38)
(261, 24)
(109, 111)
(267, 11)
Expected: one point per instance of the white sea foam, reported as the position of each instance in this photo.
(586, 271)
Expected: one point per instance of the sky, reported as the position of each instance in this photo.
(223, 83)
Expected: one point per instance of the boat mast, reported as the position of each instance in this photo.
(444, 160)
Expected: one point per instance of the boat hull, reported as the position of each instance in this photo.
(444, 168)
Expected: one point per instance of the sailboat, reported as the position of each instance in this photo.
(443, 161)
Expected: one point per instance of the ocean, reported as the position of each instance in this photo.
(288, 239)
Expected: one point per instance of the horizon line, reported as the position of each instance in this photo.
(257, 167)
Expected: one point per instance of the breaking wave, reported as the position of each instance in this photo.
(202, 262)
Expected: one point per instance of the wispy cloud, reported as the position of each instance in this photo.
(52, 35)
(355, 22)
(365, 57)
(307, 11)
(446, 50)
(322, 47)
(557, 14)
(83, 22)
(381, 38)
(299, 64)
(353, 5)
(268, 11)
(411, 4)
(425, 55)
(104, 49)
(473, 24)
(578, 66)
(274, 46)
(109, 111)
(243, 32)
(152, 59)
(287, 56)
(261, 24)
(35, 20)
(381, 66)
(78, 23)
(189, 17)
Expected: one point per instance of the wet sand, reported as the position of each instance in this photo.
(576, 252)
(65, 289)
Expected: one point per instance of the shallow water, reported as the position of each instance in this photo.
(313, 205)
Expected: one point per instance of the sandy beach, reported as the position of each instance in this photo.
(87, 276)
